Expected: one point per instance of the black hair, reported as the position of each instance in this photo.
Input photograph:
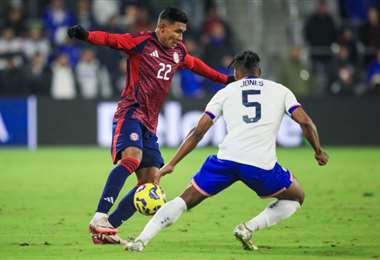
(246, 60)
(173, 14)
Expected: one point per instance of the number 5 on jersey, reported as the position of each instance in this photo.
(164, 70)
(256, 105)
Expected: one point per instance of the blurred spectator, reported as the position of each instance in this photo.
(56, 21)
(10, 50)
(38, 75)
(218, 53)
(16, 20)
(103, 10)
(191, 83)
(355, 12)
(345, 77)
(11, 64)
(346, 39)
(320, 34)
(36, 43)
(136, 18)
(84, 15)
(109, 57)
(89, 74)
(369, 34)
(212, 17)
(373, 75)
(294, 74)
(72, 49)
(63, 80)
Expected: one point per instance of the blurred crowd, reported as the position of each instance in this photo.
(37, 57)
(344, 57)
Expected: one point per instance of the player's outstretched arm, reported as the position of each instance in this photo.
(311, 133)
(116, 41)
(198, 66)
(190, 142)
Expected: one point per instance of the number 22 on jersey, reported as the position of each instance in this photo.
(164, 70)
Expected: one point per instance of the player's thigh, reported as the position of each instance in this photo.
(146, 175)
(127, 139)
(214, 176)
(192, 197)
(294, 192)
(266, 183)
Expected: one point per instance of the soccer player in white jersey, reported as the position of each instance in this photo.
(252, 108)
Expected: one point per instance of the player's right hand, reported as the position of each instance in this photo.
(167, 168)
(77, 32)
(322, 158)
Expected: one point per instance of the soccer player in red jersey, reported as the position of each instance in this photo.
(153, 59)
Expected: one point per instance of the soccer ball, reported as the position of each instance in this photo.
(149, 198)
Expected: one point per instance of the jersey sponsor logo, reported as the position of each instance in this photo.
(175, 57)
(134, 136)
(4, 136)
(154, 54)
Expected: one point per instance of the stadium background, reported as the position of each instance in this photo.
(57, 97)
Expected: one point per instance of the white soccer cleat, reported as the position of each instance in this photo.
(101, 225)
(107, 239)
(244, 235)
(134, 246)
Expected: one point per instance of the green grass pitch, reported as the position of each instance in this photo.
(48, 197)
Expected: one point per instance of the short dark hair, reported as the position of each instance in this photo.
(246, 60)
(173, 14)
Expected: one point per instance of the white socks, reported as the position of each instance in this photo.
(274, 213)
(165, 216)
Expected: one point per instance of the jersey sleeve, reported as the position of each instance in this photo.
(215, 107)
(291, 102)
(126, 42)
(198, 66)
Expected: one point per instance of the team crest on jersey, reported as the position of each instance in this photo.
(175, 57)
(134, 136)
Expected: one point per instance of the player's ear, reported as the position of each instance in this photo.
(259, 72)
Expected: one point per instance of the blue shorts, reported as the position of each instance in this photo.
(215, 175)
(127, 132)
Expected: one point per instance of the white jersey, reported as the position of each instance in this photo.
(252, 109)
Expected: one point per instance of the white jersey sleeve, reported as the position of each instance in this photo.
(290, 102)
(214, 108)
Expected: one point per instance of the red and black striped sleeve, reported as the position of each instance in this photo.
(126, 42)
(198, 66)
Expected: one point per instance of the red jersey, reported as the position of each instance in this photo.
(150, 70)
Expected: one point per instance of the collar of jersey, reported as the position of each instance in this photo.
(251, 77)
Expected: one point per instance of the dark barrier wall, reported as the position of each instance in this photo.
(346, 121)
(66, 122)
(340, 121)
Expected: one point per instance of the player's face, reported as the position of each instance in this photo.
(171, 33)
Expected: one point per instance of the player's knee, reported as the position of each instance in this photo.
(130, 163)
(301, 196)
